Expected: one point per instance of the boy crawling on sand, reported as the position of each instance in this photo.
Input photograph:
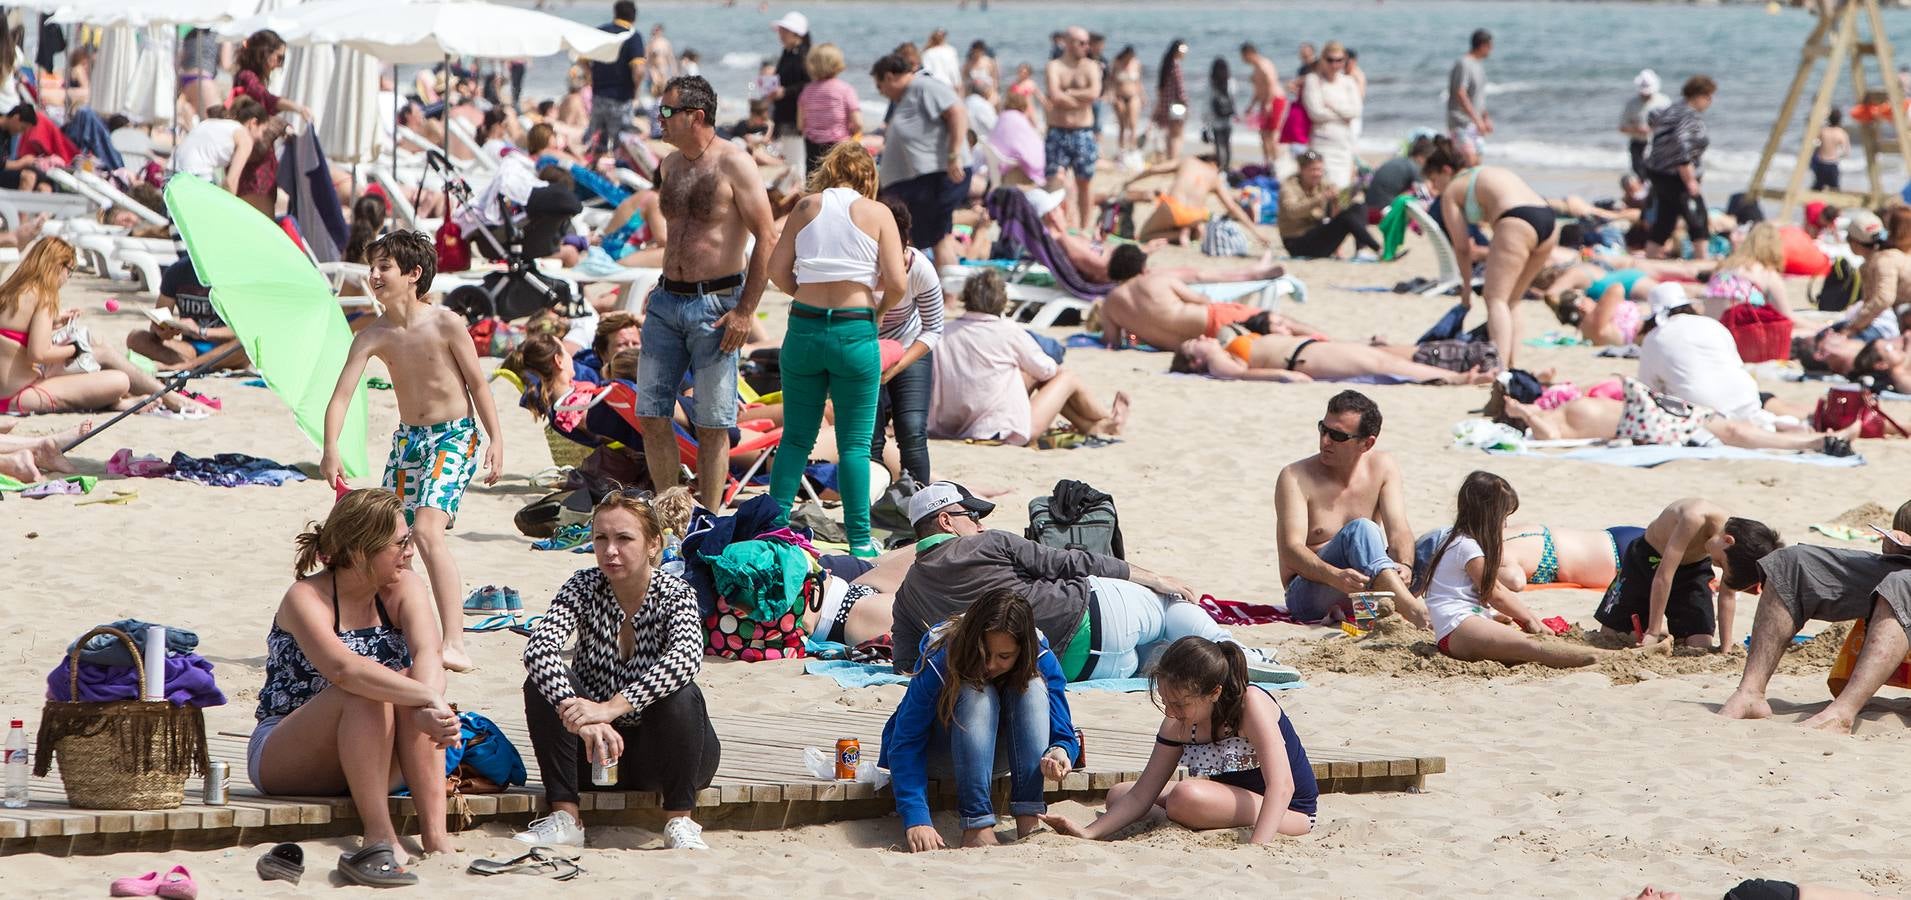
(1665, 577)
(434, 372)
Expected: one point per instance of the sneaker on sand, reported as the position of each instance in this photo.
(558, 829)
(682, 834)
(1262, 669)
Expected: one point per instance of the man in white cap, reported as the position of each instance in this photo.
(1101, 615)
(792, 74)
(1635, 121)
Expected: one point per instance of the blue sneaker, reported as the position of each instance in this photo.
(485, 601)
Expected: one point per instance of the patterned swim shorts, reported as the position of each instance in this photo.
(1074, 149)
(430, 465)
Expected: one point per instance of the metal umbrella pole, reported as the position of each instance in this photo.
(172, 383)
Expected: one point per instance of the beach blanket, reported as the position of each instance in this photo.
(1235, 612)
(861, 675)
(1645, 456)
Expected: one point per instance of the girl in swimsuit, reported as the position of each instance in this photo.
(1248, 766)
(1281, 357)
(1753, 273)
(29, 314)
(1607, 313)
(1523, 233)
(1126, 75)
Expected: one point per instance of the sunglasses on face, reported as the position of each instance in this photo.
(669, 111)
(1335, 434)
(403, 543)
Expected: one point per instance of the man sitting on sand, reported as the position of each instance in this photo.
(1831, 584)
(1160, 310)
(1184, 205)
(1665, 576)
(1102, 615)
(192, 333)
(1340, 522)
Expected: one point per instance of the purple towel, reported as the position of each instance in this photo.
(1021, 227)
(189, 681)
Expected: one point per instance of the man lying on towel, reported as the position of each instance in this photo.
(1161, 310)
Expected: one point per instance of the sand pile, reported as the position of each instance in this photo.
(1863, 515)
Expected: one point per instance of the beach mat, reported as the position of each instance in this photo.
(1646, 456)
(861, 675)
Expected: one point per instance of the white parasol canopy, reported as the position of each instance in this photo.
(152, 91)
(149, 12)
(427, 31)
(112, 75)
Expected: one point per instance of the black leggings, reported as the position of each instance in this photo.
(672, 750)
(904, 401)
(1670, 202)
(1324, 239)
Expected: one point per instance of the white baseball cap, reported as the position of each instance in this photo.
(1666, 297)
(1043, 201)
(795, 23)
(933, 497)
(1647, 81)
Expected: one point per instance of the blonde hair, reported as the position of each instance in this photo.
(846, 165)
(39, 271)
(359, 525)
(1763, 245)
(824, 61)
(668, 511)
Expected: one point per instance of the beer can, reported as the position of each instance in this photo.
(849, 752)
(217, 773)
(604, 773)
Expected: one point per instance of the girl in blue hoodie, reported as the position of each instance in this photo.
(989, 697)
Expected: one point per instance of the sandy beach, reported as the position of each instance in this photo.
(1589, 784)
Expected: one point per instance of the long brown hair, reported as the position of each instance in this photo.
(538, 356)
(39, 272)
(255, 55)
(359, 525)
(1196, 665)
(1486, 502)
(848, 164)
(964, 636)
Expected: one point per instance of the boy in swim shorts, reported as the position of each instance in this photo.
(1664, 583)
(435, 375)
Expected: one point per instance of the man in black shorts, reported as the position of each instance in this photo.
(1664, 583)
(1831, 585)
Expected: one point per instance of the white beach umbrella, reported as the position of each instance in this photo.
(112, 73)
(349, 120)
(307, 75)
(427, 31)
(150, 12)
(153, 87)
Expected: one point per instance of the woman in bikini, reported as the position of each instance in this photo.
(1545, 554)
(1754, 273)
(1126, 74)
(1523, 233)
(1284, 357)
(1644, 417)
(1604, 305)
(30, 362)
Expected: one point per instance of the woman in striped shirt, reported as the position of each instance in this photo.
(827, 112)
(916, 324)
(1679, 141)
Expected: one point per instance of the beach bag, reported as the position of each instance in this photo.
(1458, 355)
(1224, 237)
(1761, 332)
(734, 635)
(1843, 405)
(495, 337)
(1076, 517)
(1843, 283)
(484, 761)
(454, 255)
(1848, 658)
(540, 518)
(126, 754)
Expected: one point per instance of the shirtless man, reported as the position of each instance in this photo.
(1340, 521)
(1268, 106)
(1289, 351)
(1074, 85)
(1160, 310)
(1184, 204)
(1665, 577)
(715, 201)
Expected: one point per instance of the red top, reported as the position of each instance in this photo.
(249, 84)
(46, 139)
(261, 173)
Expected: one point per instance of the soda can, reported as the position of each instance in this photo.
(217, 774)
(604, 773)
(1081, 754)
(849, 752)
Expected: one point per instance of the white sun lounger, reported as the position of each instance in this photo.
(16, 204)
(122, 199)
(1450, 268)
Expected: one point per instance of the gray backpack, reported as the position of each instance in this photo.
(1076, 517)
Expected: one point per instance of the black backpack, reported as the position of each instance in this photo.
(1076, 517)
(1842, 284)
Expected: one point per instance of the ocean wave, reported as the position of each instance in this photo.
(740, 59)
(1496, 88)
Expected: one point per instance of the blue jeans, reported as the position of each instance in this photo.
(680, 335)
(974, 752)
(1361, 545)
(905, 401)
(1135, 621)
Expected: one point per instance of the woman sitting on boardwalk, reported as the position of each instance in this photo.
(983, 671)
(629, 688)
(354, 686)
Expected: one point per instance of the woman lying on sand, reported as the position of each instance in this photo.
(1601, 303)
(1281, 357)
(1249, 766)
(1470, 574)
(1648, 418)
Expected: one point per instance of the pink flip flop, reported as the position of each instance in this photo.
(146, 885)
(178, 885)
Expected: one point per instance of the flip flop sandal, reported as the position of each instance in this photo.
(527, 626)
(285, 862)
(374, 866)
(499, 622)
(540, 862)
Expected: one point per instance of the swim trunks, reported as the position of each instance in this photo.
(1182, 214)
(1688, 608)
(1074, 149)
(1222, 315)
(430, 465)
(1268, 118)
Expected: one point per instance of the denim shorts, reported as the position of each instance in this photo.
(255, 748)
(680, 335)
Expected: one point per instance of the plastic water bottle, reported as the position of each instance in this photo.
(16, 765)
(673, 554)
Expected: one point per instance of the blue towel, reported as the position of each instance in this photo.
(1649, 455)
(84, 128)
(860, 675)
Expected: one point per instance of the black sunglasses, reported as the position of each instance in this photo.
(665, 112)
(1335, 434)
(1334, 59)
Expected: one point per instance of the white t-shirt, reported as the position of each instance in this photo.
(1452, 595)
(941, 63)
(206, 149)
(1693, 358)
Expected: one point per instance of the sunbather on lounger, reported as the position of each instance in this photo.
(1301, 357)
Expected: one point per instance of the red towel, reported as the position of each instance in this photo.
(1235, 612)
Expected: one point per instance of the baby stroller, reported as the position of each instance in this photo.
(520, 289)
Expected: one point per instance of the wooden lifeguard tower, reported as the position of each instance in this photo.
(1835, 39)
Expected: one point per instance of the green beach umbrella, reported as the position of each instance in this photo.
(275, 299)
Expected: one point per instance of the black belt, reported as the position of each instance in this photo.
(703, 287)
(1094, 637)
(861, 314)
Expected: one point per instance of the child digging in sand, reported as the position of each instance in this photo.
(1665, 577)
(434, 372)
(1469, 575)
(1253, 771)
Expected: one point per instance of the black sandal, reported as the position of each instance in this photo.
(375, 866)
(1837, 446)
(285, 862)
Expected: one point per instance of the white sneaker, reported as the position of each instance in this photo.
(559, 829)
(682, 834)
(1262, 668)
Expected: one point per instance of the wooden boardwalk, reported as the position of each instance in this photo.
(761, 784)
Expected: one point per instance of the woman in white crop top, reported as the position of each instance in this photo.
(839, 246)
(214, 144)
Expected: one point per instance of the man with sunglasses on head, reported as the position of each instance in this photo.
(1340, 522)
(1102, 616)
(701, 311)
